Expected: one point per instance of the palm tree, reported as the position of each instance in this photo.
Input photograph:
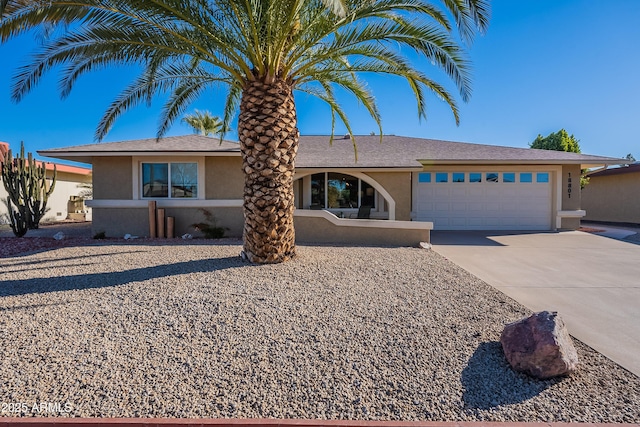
(261, 51)
(204, 123)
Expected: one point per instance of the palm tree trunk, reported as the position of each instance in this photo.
(269, 141)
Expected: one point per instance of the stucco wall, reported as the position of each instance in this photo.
(614, 198)
(112, 178)
(570, 200)
(224, 178)
(319, 230)
(398, 184)
(66, 186)
(116, 222)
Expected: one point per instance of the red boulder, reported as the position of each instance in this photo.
(540, 346)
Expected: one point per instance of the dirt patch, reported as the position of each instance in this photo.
(590, 230)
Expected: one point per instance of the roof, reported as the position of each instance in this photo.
(78, 170)
(632, 168)
(316, 152)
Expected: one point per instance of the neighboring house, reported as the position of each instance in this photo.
(454, 185)
(613, 195)
(64, 202)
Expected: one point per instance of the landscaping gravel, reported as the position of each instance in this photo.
(190, 330)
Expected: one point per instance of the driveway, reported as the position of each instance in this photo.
(593, 281)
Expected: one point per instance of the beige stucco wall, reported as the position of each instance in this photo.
(613, 198)
(224, 178)
(320, 230)
(112, 178)
(398, 184)
(116, 222)
(570, 200)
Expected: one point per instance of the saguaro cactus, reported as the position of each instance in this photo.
(28, 188)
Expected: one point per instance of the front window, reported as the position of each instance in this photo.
(342, 191)
(170, 180)
(333, 190)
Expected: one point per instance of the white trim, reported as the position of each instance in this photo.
(578, 213)
(46, 153)
(369, 180)
(368, 223)
(166, 203)
(488, 163)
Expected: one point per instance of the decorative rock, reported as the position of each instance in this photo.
(59, 235)
(539, 346)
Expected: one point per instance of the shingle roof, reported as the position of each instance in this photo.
(184, 143)
(315, 152)
(635, 167)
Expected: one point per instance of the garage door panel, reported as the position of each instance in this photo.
(485, 206)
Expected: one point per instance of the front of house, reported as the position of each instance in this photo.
(451, 185)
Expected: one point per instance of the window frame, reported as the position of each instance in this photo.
(137, 163)
(360, 191)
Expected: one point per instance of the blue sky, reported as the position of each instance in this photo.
(543, 65)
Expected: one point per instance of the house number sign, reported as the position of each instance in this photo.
(569, 185)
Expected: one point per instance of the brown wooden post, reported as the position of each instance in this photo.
(152, 219)
(161, 223)
(170, 227)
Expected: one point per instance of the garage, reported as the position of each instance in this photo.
(485, 200)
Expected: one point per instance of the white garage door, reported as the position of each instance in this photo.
(485, 200)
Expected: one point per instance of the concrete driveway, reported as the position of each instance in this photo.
(591, 280)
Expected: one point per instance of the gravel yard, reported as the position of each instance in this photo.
(107, 329)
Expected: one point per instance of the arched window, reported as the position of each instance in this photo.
(334, 190)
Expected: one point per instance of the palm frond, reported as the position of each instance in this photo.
(184, 47)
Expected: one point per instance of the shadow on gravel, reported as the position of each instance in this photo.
(101, 280)
(60, 259)
(489, 381)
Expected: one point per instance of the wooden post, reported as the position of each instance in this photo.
(152, 219)
(170, 227)
(161, 223)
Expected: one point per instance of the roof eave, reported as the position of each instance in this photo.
(86, 157)
(359, 168)
(583, 163)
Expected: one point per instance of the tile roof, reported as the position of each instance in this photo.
(315, 152)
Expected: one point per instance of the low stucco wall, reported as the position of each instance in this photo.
(311, 227)
(614, 198)
(116, 222)
(324, 227)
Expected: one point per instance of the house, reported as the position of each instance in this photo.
(64, 202)
(613, 195)
(409, 182)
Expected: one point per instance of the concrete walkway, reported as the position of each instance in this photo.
(592, 281)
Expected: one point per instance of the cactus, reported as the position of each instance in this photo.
(28, 188)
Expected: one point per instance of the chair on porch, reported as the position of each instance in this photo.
(364, 212)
